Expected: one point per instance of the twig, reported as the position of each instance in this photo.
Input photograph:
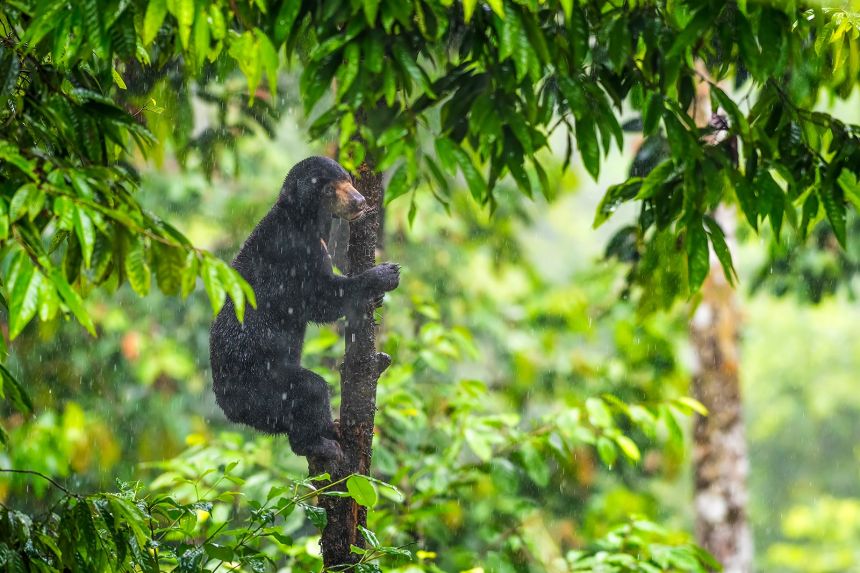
(53, 482)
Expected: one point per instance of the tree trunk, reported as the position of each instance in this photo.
(359, 375)
(720, 452)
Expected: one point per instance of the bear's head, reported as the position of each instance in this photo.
(320, 184)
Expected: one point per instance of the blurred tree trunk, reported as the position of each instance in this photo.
(720, 457)
(359, 375)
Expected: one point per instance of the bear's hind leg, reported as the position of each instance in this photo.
(311, 430)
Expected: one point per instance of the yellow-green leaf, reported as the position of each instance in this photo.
(155, 13)
(117, 79)
(214, 288)
(469, 9)
(185, 17)
(230, 279)
(498, 7)
(693, 405)
(21, 201)
(361, 490)
(269, 60)
(629, 447)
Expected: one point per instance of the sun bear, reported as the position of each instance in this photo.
(257, 378)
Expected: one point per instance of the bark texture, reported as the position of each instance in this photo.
(720, 456)
(359, 375)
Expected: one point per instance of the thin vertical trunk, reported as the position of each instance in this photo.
(359, 375)
(720, 456)
(720, 460)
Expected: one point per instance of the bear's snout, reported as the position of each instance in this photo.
(349, 203)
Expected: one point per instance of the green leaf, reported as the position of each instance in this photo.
(184, 12)
(316, 515)
(9, 152)
(535, 465)
(771, 200)
(498, 6)
(412, 69)
(696, 243)
(10, 67)
(231, 281)
(169, 263)
(718, 241)
(850, 186)
(606, 450)
(20, 204)
(691, 32)
(389, 85)
(285, 20)
(374, 54)
(586, 140)
(49, 301)
(348, 70)
(652, 112)
(361, 490)
(189, 274)
(615, 196)
(73, 300)
(23, 293)
(156, 10)
(246, 51)
(269, 60)
(219, 552)
(371, 7)
(479, 444)
(85, 232)
(477, 184)
(16, 393)
(834, 207)
(739, 120)
(398, 185)
(117, 79)
(135, 266)
(598, 413)
(94, 27)
(747, 200)
(681, 141)
(655, 179)
(667, 416)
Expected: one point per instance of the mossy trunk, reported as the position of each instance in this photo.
(359, 376)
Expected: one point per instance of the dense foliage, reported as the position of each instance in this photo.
(487, 84)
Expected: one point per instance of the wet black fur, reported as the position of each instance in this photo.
(255, 365)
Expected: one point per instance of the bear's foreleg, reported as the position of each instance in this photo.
(336, 295)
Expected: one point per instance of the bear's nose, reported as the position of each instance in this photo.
(357, 202)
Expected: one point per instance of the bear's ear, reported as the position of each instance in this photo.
(289, 192)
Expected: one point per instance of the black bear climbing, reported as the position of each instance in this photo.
(255, 365)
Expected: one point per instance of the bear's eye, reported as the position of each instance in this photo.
(328, 190)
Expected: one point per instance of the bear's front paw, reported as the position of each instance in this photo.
(387, 276)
